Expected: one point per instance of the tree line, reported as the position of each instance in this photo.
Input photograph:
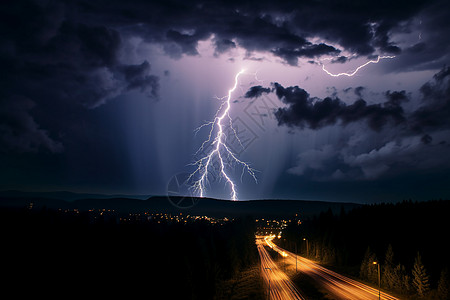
(49, 253)
(408, 240)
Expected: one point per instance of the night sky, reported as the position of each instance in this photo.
(105, 96)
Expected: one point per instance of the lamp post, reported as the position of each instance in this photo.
(307, 247)
(379, 280)
(268, 294)
(296, 257)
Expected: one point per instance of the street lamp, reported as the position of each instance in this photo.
(379, 280)
(268, 294)
(307, 247)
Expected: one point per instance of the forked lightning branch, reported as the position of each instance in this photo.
(220, 151)
(352, 73)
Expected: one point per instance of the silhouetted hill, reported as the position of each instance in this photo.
(273, 207)
(64, 195)
(203, 206)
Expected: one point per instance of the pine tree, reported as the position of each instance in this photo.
(388, 278)
(420, 277)
(372, 273)
(363, 271)
(389, 257)
(401, 280)
(367, 270)
(406, 284)
(443, 290)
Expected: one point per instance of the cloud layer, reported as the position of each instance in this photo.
(68, 52)
(398, 139)
(69, 66)
(305, 111)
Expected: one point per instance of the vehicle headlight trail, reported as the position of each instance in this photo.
(220, 150)
(350, 74)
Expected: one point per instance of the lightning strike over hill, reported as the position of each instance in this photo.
(220, 149)
(357, 69)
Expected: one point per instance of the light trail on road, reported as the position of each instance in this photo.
(339, 286)
(278, 284)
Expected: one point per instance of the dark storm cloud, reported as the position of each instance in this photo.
(137, 77)
(283, 27)
(261, 34)
(180, 26)
(381, 37)
(304, 111)
(340, 60)
(291, 55)
(429, 48)
(57, 62)
(76, 61)
(357, 91)
(180, 43)
(19, 131)
(401, 141)
(435, 110)
(66, 54)
(256, 91)
(426, 139)
(223, 45)
(359, 26)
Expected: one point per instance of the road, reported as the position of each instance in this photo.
(276, 281)
(339, 286)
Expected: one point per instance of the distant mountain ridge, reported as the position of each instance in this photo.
(67, 196)
(203, 206)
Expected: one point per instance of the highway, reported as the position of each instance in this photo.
(338, 286)
(277, 283)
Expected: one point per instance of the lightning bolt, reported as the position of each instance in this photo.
(220, 148)
(357, 69)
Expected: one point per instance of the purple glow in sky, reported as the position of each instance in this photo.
(106, 97)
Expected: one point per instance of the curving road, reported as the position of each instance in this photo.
(339, 286)
(277, 282)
